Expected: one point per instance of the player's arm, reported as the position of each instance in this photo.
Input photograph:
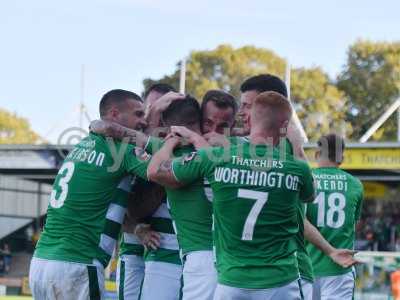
(296, 139)
(190, 136)
(160, 166)
(119, 132)
(183, 170)
(154, 111)
(307, 187)
(343, 257)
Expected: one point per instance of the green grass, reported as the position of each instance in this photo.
(15, 298)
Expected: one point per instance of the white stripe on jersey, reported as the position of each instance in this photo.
(207, 190)
(162, 212)
(126, 183)
(130, 238)
(107, 243)
(168, 241)
(116, 213)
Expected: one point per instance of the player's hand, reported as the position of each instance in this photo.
(100, 127)
(149, 238)
(164, 101)
(173, 140)
(239, 132)
(344, 257)
(216, 139)
(192, 137)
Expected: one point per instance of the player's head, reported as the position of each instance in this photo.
(185, 112)
(330, 150)
(270, 114)
(123, 107)
(218, 110)
(155, 91)
(253, 86)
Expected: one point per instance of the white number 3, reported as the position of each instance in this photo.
(55, 201)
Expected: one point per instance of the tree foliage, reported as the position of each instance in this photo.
(226, 68)
(371, 81)
(321, 107)
(15, 130)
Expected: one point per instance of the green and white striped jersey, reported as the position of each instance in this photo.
(168, 251)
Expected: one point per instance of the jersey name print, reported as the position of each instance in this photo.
(334, 212)
(255, 209)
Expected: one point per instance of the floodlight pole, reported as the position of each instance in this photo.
(295, 117)
(382, 119)
(182, 78)
(82, 96)
(398, 124)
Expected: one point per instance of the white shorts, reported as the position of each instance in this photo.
(130, 273)
(162, 281)
(334, 287)
(60, 280)
(199, 276)
(306, 289)
(290, 291)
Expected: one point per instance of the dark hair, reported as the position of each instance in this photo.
(221, 99)
(332, 147)
(182, 112)
(264, 83)
(118, 97)
(161, 88)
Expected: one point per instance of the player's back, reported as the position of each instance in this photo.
(256, 192)
(334, 212)
(84, 213)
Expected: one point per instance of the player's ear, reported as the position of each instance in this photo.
(317, 154)
(114, 113)
(249, 120)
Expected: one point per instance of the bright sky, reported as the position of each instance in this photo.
(43, 43)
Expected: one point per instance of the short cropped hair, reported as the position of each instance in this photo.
(332, 147)
(276, 103)
(117, 97)
(221, 99)
(161, 88)
(264, 83)
(182, 112)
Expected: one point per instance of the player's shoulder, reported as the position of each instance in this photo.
(353, 179)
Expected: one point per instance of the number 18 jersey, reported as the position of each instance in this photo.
(334, 212)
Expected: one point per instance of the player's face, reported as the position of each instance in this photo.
(132, 115)
(246, 102)
(152, 97)
(217, 119)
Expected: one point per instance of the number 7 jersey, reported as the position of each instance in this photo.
(335, 212)
(256, 191)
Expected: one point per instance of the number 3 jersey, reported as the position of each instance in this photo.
(256, 192)
(88, 201)
(335, 212)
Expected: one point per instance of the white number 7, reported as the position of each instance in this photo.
(261, 198)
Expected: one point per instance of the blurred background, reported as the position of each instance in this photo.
(340, 60)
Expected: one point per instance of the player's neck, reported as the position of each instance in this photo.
(264, 137)
(327, 164)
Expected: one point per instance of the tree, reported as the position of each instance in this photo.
(371, 82)
(226, 68)
(15, 130)
(321, 107)
(223, 68)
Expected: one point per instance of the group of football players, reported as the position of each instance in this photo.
(201, 207)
